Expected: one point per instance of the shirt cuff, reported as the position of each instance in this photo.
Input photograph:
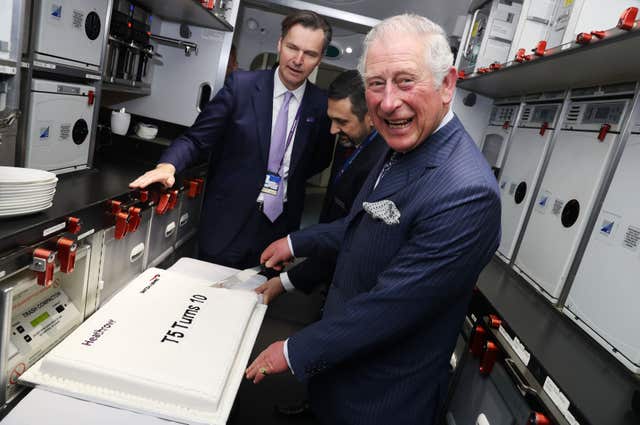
(286, 354)
(290, 246)
(286, 282)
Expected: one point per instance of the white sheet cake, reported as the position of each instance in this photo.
(165, 338)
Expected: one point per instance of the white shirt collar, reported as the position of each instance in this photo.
(279, 88)
(448, 117)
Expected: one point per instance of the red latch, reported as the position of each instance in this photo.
(495, 66)
(599, 34)
(143, 195)
(43, 264)
(584, 38)
(537, 418)
(603, 131)
(192, 192)
(483, 70)
(73, 225)
(173, 200)
(521, 56)
(540, 48)
(461, 75)
(134, 219)
(200, 185)
(476, 344)
(494, 321)
(163, 204)
(91, 97)
(628, 18)
(114, 206)
(122, 224)
(489, 357)
(543, 128)
(505, 125)
(67, 254)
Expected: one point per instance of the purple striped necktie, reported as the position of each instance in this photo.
(273, 203)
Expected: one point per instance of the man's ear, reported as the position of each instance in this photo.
(448, 85)
(368, 120)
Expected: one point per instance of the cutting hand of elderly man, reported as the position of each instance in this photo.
(271, 361)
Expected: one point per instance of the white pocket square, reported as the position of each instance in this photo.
(384, 210)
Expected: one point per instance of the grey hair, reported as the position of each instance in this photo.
(438, 54)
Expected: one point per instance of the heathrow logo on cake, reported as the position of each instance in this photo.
(152, 282)
(97, 333)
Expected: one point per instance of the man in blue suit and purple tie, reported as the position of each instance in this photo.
(424, 225)
(268, 132)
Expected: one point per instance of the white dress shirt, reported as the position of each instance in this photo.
(279, 90)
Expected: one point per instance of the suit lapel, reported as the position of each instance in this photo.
(262, 100)
(307, 119)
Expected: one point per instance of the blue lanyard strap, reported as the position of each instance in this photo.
(354, 155)
(290, 137)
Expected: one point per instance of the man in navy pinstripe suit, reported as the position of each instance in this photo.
(409, 252)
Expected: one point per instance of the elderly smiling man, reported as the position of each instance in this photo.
(425, 223)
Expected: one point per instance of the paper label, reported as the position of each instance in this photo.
(54, 229)
(92, 76)
(44, 65)
(559, 399)
(85, 234)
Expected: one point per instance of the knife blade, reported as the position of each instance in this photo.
(244, 279)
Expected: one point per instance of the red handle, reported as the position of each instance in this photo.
(540, 48)
(122, 225)
(163, 204)
(73, 225)
(584, 38)
(603, 131)
(45, 275)
(67, 249)
(489, 357)
(537, 418)
(479, 337)
(543, 128)
(494, 321)
(628, 18)
(134, 219)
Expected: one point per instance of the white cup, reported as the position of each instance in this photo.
(120, 121)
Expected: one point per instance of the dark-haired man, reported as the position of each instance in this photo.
(268, 132)
(359, 148)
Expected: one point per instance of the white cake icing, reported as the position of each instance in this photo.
(164, 337)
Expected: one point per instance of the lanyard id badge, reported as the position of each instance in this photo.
(273, 180)
(271, 184)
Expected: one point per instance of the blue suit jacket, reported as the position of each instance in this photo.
(337, 204)
(236, 127)
(380, 353)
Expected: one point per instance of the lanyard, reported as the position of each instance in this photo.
(289, 137)
(353, 156)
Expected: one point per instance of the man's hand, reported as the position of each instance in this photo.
(163, 173)
(271, 289)
(269, 362)
(277, 254)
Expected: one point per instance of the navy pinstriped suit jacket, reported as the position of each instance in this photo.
(380, 353)
(236, 127)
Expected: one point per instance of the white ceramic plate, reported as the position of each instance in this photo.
(13, 213)
(27, 189)
(25, 175)
(6, 204)
(24, 206)
(26, 194)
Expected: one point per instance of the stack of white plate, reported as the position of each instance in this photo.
(25, 190)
